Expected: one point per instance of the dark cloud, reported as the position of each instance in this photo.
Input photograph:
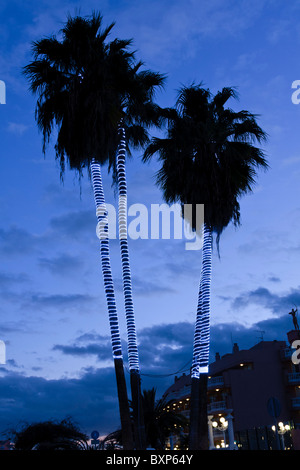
(74, 224)
(265, 298)
(59, 301)
(8, 280)
(17, 241)
(100, 347)
(91, 400)
(61, 265)
(40, 301)
(166, 348)
(225, 334)
(274, 279)
(144, 287)
(71, 226)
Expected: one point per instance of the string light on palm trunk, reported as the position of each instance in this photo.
(101, 213)
(202, 326)
(133, 357)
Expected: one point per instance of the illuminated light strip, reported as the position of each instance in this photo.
(201, 345)
(101, 213)
(206, 290)
(133, 356)
(197, 335)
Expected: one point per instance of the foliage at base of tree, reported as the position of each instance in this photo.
(50, 435)
(160, 420)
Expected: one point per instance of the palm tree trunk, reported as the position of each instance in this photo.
(133, 356)
(198, 438)
(101, 211)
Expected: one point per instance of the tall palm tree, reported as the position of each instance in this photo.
(139, 113)
(86, 87)
(79, 85)
(208, 157)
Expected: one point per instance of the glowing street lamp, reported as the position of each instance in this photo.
(221, 426)
(282, 429)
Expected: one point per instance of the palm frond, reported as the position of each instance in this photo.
(208, 155)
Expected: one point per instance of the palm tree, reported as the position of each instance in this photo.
(208, 157)
(160, 419)
(139, 113)
(79, 92)
(50, 435)
(112, 441)
(86, 88)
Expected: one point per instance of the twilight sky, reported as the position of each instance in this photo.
(53, 315)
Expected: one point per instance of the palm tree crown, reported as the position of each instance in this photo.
(85, 86)
(208, 156)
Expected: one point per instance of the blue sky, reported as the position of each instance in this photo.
(52, 313)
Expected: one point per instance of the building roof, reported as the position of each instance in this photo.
(228, 361)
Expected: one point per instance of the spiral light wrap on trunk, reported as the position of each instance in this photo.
(133, 357)
(101, 213)
(202, 327)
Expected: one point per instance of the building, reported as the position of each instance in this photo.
(253, 396)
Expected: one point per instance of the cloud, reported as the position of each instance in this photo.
(279, 30)
(166, 348)
(262, 296)
(16, 240)
(265, 242)
(157, 345)
(100, 347)
(59, 301)
(34, 300)
(69, 227)
(91, 400)
(74, 224)
(8, 280)
(274, 279)
(61, 265)
(192, 24)
(17, 128)
(144, 287)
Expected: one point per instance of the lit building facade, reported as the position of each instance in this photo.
(242, 389)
